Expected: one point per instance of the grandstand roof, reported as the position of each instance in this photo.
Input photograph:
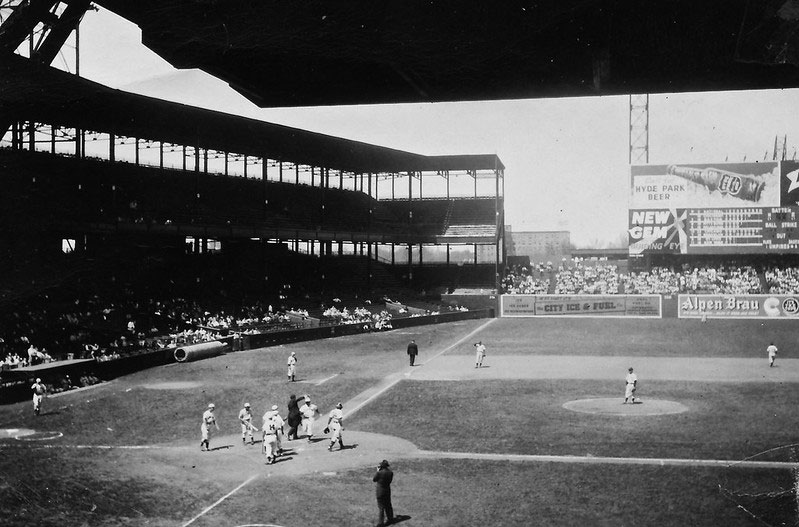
(317, 52)
(42, 94)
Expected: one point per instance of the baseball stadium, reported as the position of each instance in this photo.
(170, 274)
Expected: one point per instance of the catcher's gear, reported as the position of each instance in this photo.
(326, 430)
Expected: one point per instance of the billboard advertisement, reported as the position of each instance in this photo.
(721, 208)
(738, 306)
(618, 306)
(698, 185)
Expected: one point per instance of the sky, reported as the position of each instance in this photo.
(566, 159)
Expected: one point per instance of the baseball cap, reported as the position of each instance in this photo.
(38, 379)
(630, 368)
(211, 405)
(339, 405)
(274, 407)
(384, 464)
(246, 405)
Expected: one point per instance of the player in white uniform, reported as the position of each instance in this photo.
(309, 413)
(629, 387)
(772, 354)
(208, 420)
(292, 366)
(39, 389)
(481, 353)
(245, 416)
(336, 424)
(270, 437)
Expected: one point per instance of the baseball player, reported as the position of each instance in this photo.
(292, 366)
(279, 424)
(772, 354)
(631, 382)
(270, 437)
(481, 353)
(245, 416)
(208, 420)
(309, 413)
(39, 389)
(335, 424)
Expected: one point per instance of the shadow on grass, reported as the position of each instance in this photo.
(220, 447)
(400, 518)
(51, 412)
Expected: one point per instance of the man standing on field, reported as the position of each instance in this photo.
(481, 353)
(413, 351)
(630, 384)
(292, 366)
(772, 354)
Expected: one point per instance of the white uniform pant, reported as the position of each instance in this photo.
(204, 432)
(335, 432)
(479, 358)
(308, 426)
(37, 401)
(246, 429)
(270, 446)
(628, 392)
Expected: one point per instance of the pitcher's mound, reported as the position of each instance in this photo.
(614, 406)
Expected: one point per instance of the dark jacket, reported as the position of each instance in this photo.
(383, 479)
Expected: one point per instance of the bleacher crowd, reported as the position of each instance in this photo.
(577, 277)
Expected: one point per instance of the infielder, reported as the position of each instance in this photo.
(208, 420)
(335, 424)
(309, 412)
(245, 416)
(630, 384)
(39, 389)
(772, 354)
(481, 353)
(292, 366)
(270, 437)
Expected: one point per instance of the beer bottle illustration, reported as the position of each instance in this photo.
(742, 186)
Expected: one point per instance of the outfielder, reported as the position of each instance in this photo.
(292, 366)
(631, 381)
(39, 389)
(270, 437)
(245, 416)
(208, 420)
(335, 424)
(772, 354)
(481, 353)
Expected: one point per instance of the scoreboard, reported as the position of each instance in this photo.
(714, 208)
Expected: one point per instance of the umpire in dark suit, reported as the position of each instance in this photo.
(413, 351)
(383, 479)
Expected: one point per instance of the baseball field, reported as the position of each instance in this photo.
(538, 436)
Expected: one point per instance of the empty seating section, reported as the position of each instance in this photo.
(62, 189)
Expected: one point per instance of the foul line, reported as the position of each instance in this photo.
(391, 380)
(220, 500)
(325, 380)
(661, 462)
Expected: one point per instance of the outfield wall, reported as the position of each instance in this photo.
(613, 306)
(652, 306)
(738, 306)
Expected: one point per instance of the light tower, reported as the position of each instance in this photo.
(639, 129)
